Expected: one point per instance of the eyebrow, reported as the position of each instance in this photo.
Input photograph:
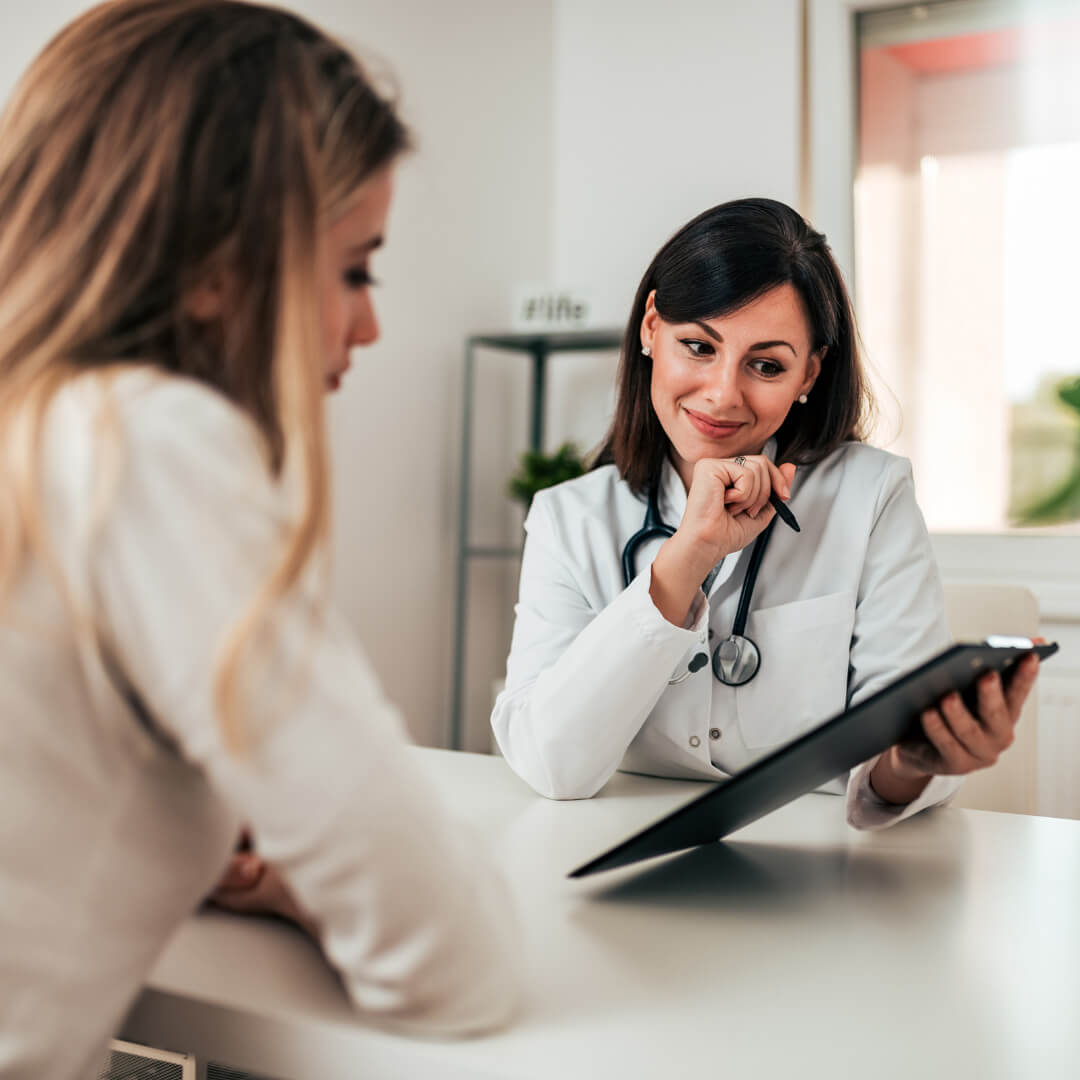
(365, 248)
(757, 345)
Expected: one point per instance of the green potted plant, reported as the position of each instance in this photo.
(1063, 503)
(537, 470)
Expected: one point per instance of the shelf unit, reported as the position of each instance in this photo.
(538, 347)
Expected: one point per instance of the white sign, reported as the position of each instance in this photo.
(550, 308)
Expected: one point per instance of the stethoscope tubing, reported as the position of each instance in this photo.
(654, 528)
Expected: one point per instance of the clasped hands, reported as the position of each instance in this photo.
(252, 886)
(727, 505)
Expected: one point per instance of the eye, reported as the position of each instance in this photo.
(358, 277)
(769, 368)
(697, 347)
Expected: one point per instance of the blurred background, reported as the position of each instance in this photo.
(560, 142)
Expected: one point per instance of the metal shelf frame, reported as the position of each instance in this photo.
(538, 347)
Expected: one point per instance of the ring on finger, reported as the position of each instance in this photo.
(740, 460)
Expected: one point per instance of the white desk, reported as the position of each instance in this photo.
(946, 947)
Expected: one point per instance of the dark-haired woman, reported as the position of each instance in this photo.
(740, 378)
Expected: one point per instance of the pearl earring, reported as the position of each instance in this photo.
(646, 351)
(802, 399)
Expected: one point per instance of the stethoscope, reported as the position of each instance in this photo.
(737, 659)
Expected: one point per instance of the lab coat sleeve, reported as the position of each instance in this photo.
(899, 624)
(580, 682)
(410, 912)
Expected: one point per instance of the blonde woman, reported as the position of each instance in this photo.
(190, 195)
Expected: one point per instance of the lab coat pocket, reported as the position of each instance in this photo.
(805, 654)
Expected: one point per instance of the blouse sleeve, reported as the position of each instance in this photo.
(413, 917)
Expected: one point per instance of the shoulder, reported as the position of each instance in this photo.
(161, 409)
(138, 429)
(157, 416)
(600, 495)
(592, 489)
(867, 466)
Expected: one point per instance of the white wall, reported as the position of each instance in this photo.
(661, 111)
(26, 30)
(472, 216)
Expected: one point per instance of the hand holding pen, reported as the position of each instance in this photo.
(775, 501)
(761, 480)
(730, 501)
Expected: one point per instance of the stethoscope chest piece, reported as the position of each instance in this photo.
(736, 660)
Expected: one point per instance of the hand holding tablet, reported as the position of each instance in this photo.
(891, 716)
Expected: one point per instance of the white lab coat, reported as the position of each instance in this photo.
(839, 610)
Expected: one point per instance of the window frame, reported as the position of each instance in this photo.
(1047, 561)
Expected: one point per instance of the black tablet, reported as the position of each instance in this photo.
(837, 745)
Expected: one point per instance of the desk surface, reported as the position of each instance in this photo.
(946, 947)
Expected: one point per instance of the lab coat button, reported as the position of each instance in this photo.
(714, 733)
(695, 741)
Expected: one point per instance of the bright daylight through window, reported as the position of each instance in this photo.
(967, 233)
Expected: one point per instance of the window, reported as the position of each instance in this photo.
(967, 254)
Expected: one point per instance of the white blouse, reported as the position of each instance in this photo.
(838, 611)
(112, 832)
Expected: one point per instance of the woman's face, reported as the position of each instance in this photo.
(348, 315)
(722, 387)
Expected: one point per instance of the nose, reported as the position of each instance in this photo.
(364, 326)
(723, 388)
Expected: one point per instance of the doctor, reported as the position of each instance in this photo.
(630, 650)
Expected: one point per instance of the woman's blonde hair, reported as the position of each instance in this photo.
(150, 143)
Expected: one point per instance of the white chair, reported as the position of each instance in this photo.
(973, 612)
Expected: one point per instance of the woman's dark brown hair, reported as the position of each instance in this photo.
(719, 262)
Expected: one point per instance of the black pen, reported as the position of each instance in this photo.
(782, 512)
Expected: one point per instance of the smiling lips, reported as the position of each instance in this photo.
(713, 429)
